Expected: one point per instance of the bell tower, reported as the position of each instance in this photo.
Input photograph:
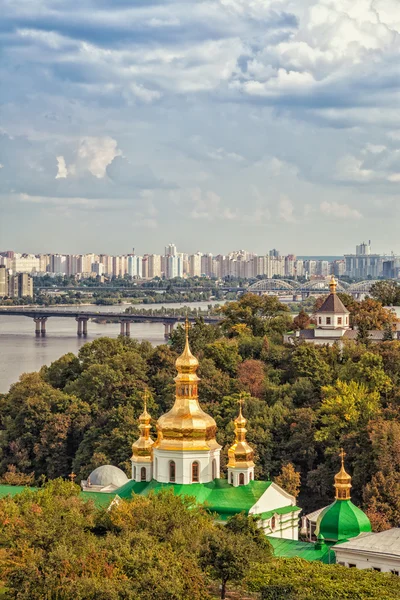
(240, 464)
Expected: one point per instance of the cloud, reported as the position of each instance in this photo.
(62, 170)
(286, 209)
(339, 211)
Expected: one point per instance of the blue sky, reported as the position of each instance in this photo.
(215, 124)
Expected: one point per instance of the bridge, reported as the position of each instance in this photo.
(289, 286)
(40, 316)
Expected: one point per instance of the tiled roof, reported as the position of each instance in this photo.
(306, 550)
(333, 304)
(218, 495)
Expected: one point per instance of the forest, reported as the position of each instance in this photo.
(303, 403)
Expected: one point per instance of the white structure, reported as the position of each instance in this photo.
(106, 478)
(378, 551)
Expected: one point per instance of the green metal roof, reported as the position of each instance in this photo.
(14, 490)
(342, 521)
(99, 498)
(279, 511)
(218, 495)
(306, 550)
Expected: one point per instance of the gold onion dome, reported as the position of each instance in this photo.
(333, 285)
(143, 447)
(186, 426)
(342, 481)
(240, 454)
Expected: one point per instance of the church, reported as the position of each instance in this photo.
(186, 457)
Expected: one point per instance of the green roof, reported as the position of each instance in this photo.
(306, 550)
(13, 490)
(342, 521)
(99, 498)
(279, 511)
(218, 495)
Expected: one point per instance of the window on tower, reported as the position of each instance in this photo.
(195, 472)
(172, 471)
(143, 474)
(328, 320)
(241, 478)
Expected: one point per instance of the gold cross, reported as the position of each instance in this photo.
(146, 397)
(72, 477)
(241, 400)
(342, 454)
(187, 326)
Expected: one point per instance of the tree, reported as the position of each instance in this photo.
(307, 361)
(230, 551)
(302, 320)
(289, 479)
(386, 292)
(251, 375)
(297, 579)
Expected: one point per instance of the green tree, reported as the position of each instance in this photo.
(386, 292)
(289, 479)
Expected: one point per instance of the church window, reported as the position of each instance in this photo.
(352, 566)
(320, 320)
(231, 478)
(143, 474)
(172, 471)
(273, 523)
(241, 478)
(195, 472)
(394, 572)
(214, 469)
(328, 320)
(339, 320)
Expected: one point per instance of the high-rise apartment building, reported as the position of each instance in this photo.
(195, 265)
(3, 281)
(170, 250)
(154, 265)
(25, 263)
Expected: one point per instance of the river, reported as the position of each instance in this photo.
(22, 352)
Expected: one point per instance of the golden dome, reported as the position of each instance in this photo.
(142, 449)
(342, 481)
(186, 426)
(333, 285)
(240, 454)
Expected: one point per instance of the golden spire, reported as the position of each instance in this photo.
(333, 284)
(186, 426)
(342, 481)
(142, 448)
(240, 453)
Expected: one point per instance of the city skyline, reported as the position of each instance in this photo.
(209, 121)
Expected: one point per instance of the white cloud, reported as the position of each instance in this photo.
(339, 211)
(286, 209)
(62, 171)
(95, 154)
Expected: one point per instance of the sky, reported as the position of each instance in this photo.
(212, 124)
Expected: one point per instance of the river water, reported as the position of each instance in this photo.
(22, 352)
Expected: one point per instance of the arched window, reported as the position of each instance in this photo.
(273, 523)
(241, 478)
(231, 478)
(172, 471)
(143, 474)
(134, 473)
(214, 469)
(195, 472)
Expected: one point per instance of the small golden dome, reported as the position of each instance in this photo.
(333, 285)
(342, 481)
(240, 454)
(186, 426)
(142, 449)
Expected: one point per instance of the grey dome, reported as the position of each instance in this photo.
(108, 475)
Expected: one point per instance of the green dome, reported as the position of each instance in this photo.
(342, 521)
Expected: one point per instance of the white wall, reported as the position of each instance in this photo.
(183, 465)
(364, 560)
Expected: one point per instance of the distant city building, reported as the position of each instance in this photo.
(15, 286)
